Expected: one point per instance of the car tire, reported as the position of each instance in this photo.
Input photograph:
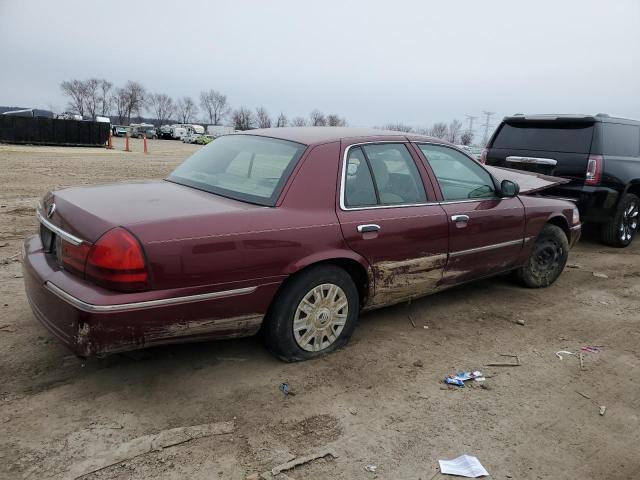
(547, 260)
(307, 319)
(619, 232)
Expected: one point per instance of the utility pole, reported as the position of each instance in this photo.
(486, 126)
(471, 119)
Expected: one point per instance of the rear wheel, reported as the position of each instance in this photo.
(314, 314)
(619, 232)
(547, 260)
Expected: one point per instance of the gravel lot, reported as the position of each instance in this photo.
(380, 401)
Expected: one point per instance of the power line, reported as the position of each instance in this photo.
(487, 124)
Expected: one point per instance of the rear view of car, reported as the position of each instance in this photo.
(600, 155)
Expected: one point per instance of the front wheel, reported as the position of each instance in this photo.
(313, 315)
(623, 226)
(547, 260)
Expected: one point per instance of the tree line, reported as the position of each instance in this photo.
(99, 97)
(452, 132)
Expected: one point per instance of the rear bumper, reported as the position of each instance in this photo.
(91, 321)
(596, 204)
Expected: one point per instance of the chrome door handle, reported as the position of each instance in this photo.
(370, 227)
(459, 218)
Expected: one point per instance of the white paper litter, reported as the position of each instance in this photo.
(464, 466)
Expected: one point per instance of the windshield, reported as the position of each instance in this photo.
(243, 167)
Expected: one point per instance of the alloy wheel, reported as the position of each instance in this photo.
(629, 222)
(320, 317)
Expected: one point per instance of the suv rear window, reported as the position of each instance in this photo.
(553, 138)
(620, 140)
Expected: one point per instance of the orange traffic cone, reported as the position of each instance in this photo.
(145, 144)
(126, 142)
(110, 142)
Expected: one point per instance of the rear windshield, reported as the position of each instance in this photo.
(570, 138)
(243, 167)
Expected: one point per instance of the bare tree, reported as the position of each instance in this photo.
(106, 97)
(91, 97)
(455, 127)
(439, 130)
(121, 103)
(263, 120)
(186, 109)
(215, 105)
(130, 100)
(398, 127)
(242, 119)
(76, 91)
(299, 122)
(282, 120)
(161, 106)
(334, 120)
(317, 119)
(466, 138)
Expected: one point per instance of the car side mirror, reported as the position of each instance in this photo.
(509, 189)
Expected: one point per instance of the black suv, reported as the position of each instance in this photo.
(600, 155)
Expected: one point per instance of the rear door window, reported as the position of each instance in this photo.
(620, 140)
(459, 177)
(382, 174)
(570, 138)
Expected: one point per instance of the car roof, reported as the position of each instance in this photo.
(317, 135)
(564, 117)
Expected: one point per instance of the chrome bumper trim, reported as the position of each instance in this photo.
(91, 308)
(72, 239)
(486, 248)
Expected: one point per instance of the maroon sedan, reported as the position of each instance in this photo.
(292, 231)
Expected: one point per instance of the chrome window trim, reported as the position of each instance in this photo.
(343, 180)
(72, 239)
(487, 248)
(92, 308)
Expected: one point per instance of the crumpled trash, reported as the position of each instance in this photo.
(590, 349)
(371, 468)
(284, 388)
(458, 379)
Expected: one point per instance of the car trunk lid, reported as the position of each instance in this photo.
(88, 212)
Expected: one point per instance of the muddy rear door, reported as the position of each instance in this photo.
(388, 214)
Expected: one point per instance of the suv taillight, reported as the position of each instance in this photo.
(483, 155)
(594, 170)
(117, 261)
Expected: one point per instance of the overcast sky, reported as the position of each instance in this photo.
(416, 62)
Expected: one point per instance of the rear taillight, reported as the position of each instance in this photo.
(117, 261)
(483, 155)
(594, 170)
(73, 256)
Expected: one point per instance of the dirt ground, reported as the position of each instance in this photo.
(379, 401)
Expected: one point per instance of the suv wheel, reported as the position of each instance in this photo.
(623, 226)
(547, 260)
(313, 315)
